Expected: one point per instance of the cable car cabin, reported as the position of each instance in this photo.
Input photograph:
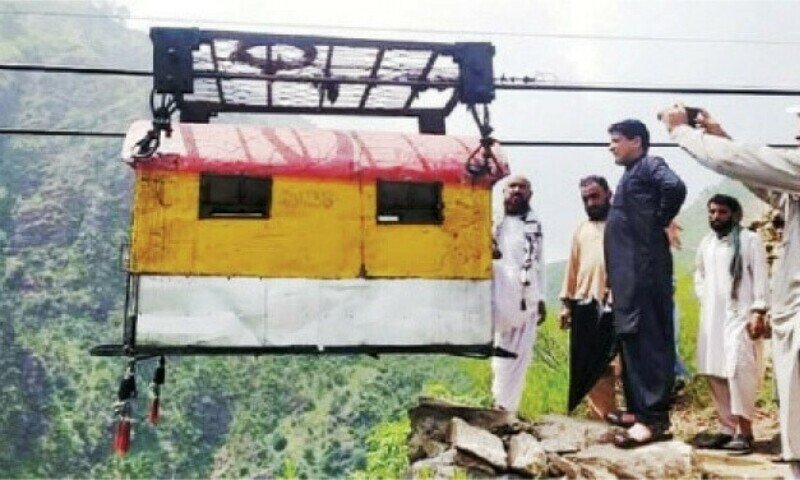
(247, 239)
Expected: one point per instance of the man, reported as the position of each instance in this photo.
(774, 175)
(583, 297)
(518, 291)
(730, 281)
(639, 265)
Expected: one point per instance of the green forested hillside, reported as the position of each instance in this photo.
(64, 207)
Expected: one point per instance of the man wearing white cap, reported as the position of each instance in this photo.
(518, 291)
(774, 175)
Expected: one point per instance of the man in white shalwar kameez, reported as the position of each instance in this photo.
(731, 283)
(518, 291)
(774, 175)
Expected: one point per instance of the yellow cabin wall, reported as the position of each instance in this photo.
(458, 248)
(315, 230)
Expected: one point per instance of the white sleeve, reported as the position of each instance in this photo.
(758, 270)
(699, 271)
(759, 166)
(770, 197)
(542, 272)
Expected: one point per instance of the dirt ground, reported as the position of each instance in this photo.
(690, 419)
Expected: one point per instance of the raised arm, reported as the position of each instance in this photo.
(772, 198)
(759, 167)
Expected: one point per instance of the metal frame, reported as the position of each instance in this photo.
(175, 70)
(482, 351)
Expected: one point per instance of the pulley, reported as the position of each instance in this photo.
(482, 161)
(162, 122)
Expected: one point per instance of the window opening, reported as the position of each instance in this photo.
(235, 196)
(410, 202)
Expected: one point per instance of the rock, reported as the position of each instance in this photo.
(716, 464)
(439, 467)
(559, 447)
(526, 455)
(442, 472)
(560, 432)
(475, 466)
(433, 417)
(478, 442)
(433, 448)
(672, 459)
(561, 467)
(428, 438)
(424, 435)
(595, 472)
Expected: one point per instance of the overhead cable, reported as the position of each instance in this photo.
(503, 84)
(26, 67)
(363, 28)
(59, 133)
(504, 143)
(579, 87)
(578, 144)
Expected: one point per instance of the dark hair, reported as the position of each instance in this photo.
(630, 129)
(595, 179)
(727, 201)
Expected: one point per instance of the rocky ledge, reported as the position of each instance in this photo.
(446, 439)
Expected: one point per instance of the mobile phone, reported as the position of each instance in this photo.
(691, 116)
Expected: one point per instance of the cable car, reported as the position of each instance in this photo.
(251, 239)
(248, 239)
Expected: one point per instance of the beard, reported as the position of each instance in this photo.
(597, 213)
(516, 205)
(721, 228)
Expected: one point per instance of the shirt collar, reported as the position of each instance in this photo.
(635, 162)
(723, 239)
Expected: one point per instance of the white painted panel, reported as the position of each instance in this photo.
(220, 311)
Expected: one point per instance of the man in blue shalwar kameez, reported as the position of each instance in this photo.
(639, 263)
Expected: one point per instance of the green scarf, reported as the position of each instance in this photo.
(736, 262)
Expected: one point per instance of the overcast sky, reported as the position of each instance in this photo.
(676, 43)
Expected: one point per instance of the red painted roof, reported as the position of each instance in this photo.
(257, 150)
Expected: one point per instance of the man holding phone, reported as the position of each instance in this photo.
(774, 175)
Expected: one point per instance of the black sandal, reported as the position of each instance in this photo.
(740, 445)
(624, 440)
(711, 441)
(617, 417)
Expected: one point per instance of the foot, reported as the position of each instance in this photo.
(678, 389)
(620, 418)
(740, 444)
(712, 441)
(640, 434)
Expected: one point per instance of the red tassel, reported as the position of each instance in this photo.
(152, 416)
(155, 388)
(122, 436)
